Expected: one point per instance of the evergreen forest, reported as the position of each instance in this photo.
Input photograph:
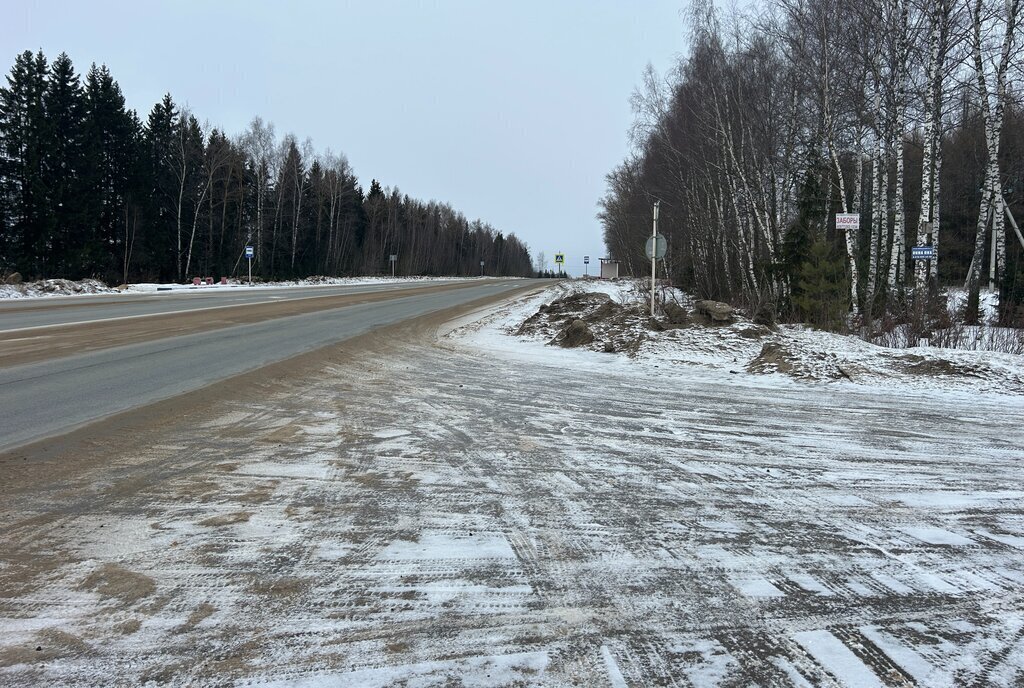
(88, 189)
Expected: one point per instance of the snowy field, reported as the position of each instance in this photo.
(490, 510)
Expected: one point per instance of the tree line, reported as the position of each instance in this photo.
(906, 112)
(87, 189)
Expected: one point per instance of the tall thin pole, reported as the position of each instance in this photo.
(654, 251)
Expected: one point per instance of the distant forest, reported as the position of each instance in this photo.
(87, 189)
(907, 112)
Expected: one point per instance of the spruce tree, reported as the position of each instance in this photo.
(803, 231)
(111, 172)
(68, 232)
(821, 296)
(23, 132)
(161, 127)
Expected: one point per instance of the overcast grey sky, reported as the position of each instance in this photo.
(513, 112)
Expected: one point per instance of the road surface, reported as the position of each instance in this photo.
(20, 314)
(58, 377)
(403, 510)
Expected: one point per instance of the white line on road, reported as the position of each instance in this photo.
(176, 312)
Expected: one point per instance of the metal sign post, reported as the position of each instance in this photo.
(248, 255)
(394, 259)
(586, 264)
(656, 248)
(560, 261)
(481, 268)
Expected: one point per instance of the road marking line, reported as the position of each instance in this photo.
(192, 310)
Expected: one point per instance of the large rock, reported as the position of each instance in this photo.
(576, 334)
(715, 310)
(13, 278)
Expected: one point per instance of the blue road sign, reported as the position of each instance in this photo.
(922, 252)
(248, 252)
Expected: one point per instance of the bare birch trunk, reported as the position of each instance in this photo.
(899, 233)
(992, 114)
(933, 269)
(858, 185)
(927, 194)
(181, 197)
(884, 230)
(876, 221)
(195, 224)
(851, 241)
(899, 262)
(998, 261)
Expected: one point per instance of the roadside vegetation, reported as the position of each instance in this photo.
(88, 189)
(907, 113)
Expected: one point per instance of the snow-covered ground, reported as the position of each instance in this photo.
(54, 287)
(59, 287)
(491, 510)
(795, 351)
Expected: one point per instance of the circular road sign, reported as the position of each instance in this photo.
(656, 246)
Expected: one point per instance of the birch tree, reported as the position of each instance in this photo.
(938, 15)
(990, 72)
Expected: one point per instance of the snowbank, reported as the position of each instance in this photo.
(54, 287)
(622, 330)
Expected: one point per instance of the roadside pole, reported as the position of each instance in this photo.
(654, 259)
(394, 259)
(248, 256)
(481, 268)
(586, 266)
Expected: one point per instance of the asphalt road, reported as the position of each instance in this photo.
(27, 313)
(43, 399)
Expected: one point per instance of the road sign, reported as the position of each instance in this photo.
(846, 221)
(394, 257)
(656, 246)
(248, 252)
(922, 252)
(559, 258)
(586, 260)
